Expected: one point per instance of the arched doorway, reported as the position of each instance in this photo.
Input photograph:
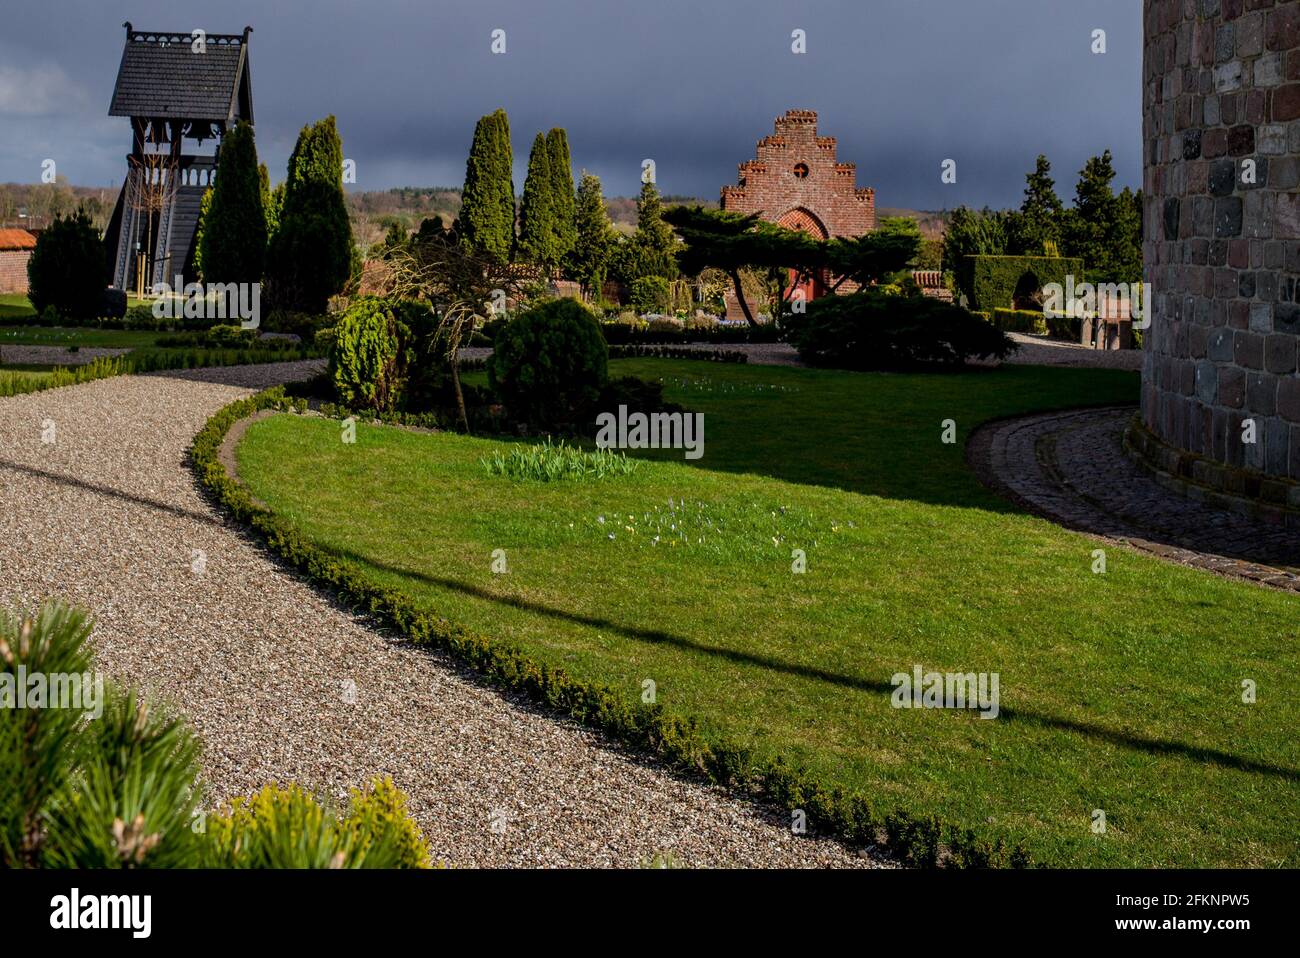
(805, 221)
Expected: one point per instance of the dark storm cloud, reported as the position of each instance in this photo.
(902, 84)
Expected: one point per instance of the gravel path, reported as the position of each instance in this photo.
(55, 355)
(1033, 351)
(283, 686)
(1071, 467)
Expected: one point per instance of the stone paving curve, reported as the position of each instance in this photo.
(1071, 467)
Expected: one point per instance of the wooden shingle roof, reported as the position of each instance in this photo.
(162, 76)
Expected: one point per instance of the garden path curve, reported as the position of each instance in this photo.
(1071, 467)
(109, 516)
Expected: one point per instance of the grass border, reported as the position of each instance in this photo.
(923, 841)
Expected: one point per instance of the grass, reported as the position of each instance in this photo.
(1119, 692)
(557, 463)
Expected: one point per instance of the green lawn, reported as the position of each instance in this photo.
(1119, 692)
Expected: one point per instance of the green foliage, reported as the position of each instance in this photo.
(134, 792)
(368, 364)
(1039, 221)
(487, 214)
(549, 363)
(869, 330)
(553, 463)
(287, 828)
(233, 239)
(595, 237)
(996, 282)
(1103, 229)
(538, 242)
(310, 257)
(205, 206)
(562, 198)
(118, 786)
(68, 269)
(650, 294)
(1020, 321)
(653, 244)
(972, 233)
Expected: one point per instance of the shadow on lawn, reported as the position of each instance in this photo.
(1127, 740)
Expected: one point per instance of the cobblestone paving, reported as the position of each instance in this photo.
(1071, 467)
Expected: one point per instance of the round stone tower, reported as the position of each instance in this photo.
(1221, 148)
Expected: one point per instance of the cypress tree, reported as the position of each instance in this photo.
(562, 200)
(595, 236)
(536, 211)
(233, 240)
(310, 259)
(487, 215)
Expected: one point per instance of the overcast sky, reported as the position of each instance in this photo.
(903, 85)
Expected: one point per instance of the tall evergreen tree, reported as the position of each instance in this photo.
(562, 198)
(233, 240)
(1102, 228)
(487, 216)
(595, 237)
(310, 259)
(1039, 220)
(537, 232)
(654, 240)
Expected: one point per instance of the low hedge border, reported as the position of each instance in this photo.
(917, 840)
(678, 352)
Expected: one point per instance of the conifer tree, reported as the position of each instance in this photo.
(310, 259)
(654, 241)
(537, 233)
(595, 237)
(562, 197)
(233, 238)
(487, 216)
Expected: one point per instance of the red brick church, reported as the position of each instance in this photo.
(796, 181)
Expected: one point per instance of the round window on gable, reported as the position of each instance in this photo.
(801, 171)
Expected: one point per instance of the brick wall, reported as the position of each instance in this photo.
(1221, 86)
(797, 180)
(13, 270)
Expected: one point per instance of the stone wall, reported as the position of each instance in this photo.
(1221, 142)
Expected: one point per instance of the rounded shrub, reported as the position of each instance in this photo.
(368, 362)
(549, 363)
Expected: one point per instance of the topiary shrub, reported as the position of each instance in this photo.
(1020, 321)
(368, 361)
(870, 331)
(68, 269)
(549, 363)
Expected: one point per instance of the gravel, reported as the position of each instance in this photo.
(1033, 351)
(283, 686)
(55, 355)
